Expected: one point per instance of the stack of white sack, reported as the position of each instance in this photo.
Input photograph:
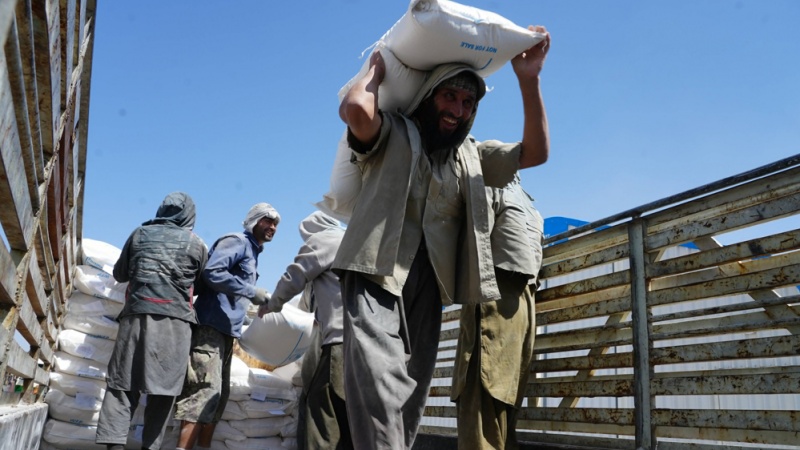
(261, 411)
(278, 339)
(85, 343)
(430, 33)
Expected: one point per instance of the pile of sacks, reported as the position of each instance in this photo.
(261, 412)
(429, 33)
(85, 343)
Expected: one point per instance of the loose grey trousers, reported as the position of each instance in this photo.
(390, 348)
(117, 412)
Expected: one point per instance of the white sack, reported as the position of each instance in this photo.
(74, 365)
(224, 431)
(80, 410)
(92, 281)
(99, 254)
(260, 428)
(291, 372)
(290, 443)
(81, 304)
(233, 411)
(97, 326)
(279, 338)
(261, 378)
(269, 443)
(74, 385)
(82, 345)
(433, 32)
(430, 33)
(66, 435)
(272, 405)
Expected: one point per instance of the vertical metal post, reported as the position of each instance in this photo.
(643, 399)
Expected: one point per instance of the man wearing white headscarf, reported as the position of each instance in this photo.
(322, 418)
(229, 285)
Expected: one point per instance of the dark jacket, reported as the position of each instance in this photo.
(230, 281)
(161, 261)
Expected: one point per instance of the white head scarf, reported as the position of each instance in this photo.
(258, 211)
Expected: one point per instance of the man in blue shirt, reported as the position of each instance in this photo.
(229, 283)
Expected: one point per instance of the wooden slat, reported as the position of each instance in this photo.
(8, 278)
(46, 85)
(28, 55)
(34, 285)
(709, 384)
(730, 419)
(767, 347)
(16, 215)
(592, 337)
(16, 76)
(768, 279)
(749, 436)
(761, 212)
(601, 387)
(776, 243)
(598, 309)
(722, 325)
(732, 199)
(44, 252)
(587, 244)
(19, 362)
(596, 258)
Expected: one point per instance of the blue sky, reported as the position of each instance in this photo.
(235, 102)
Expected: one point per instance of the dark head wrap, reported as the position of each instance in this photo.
(177, 209)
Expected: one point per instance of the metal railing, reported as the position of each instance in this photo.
(674, 325)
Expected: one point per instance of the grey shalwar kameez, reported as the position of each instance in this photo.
(161, 261)
(418, 238)
(322, 419)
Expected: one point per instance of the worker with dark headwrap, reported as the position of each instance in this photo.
(161, 262)
(418, 237)
(229, 285)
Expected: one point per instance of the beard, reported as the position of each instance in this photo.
(433, 140)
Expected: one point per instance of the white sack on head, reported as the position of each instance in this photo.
(434, 32)
(99, 254)
(92, 281)
(430, 33)
(280, 338)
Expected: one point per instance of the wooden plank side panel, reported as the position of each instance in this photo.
(729, 419)
(731, 221)
(28, 55)
(48, 110)
(757, 191)
(8, 278)
(19, 362)
(16, 215)
(16, 76)
(765, 246)
(733, 436)
(67, 28)
(750, 282)
(34, 285)
(784, 382)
